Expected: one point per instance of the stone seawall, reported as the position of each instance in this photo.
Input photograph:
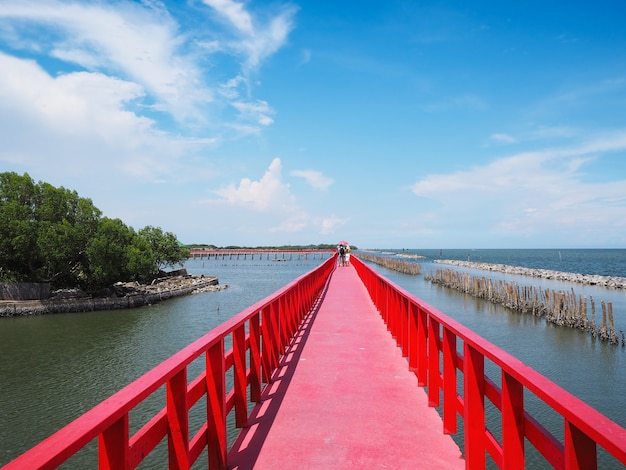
(136, 296)
(589, 279)
(24, 291)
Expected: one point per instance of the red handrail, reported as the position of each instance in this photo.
(428, 338)
(259, 336)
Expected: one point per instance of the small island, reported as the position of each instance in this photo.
(58, 253)
(122, 295)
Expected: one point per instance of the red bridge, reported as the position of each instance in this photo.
(340, 368)
(268, 254)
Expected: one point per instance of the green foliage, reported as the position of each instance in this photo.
(50, 234)
(165, 247)
(107, 252)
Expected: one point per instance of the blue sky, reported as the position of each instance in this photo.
(390, 124)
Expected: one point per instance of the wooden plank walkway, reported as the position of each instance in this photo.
(344, 397)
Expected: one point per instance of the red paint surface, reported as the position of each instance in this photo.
(344, 397)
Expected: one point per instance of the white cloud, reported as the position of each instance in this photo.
(139, 43)
(269, 193)
(126, 94)
(531, 192)
(293, 224)
(258, 111)
(235, 13)
(331, 224)
(314, 178)
(75, 122)
(504, 138)
(75, 103)
(271, 198)
(253, 40)
(142, 43)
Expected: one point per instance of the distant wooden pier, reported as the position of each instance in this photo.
(245, 254)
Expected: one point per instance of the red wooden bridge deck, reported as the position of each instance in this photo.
(344, 397)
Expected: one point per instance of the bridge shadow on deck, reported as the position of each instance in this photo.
(247, 447)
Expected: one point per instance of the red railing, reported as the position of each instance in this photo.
(254, 251)
(439, 350)
(258, 335)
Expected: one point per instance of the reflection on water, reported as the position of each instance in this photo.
(55, 367)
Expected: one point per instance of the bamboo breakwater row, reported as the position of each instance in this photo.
(399, 265)
(557, 307)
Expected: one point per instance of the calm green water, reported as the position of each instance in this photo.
(54, 368)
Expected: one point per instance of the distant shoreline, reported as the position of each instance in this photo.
(588, 279)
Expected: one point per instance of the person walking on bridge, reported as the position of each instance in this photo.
(343, 248)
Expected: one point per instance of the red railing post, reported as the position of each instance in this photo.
(394, 316)
(386, 303)
(413, 340)
(404, 326)
(255, 357)
(240, 379)
(580, 451)
(216, 405)
(284, 320)
(474, 407)
(449, 382)
(434, 374)
(113, 446)
(422, 347)
(177, 418)
(267, 350)
(512, 423)
(381, 298)
(275, 335)
(290, 314)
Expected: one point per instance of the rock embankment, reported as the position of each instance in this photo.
(119, 296)
(589, 279)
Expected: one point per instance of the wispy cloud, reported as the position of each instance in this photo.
(235, 13)
(532, 192)
(314, 178)
(331, 224)
(254, 40)
(504, 138)
(258, 111)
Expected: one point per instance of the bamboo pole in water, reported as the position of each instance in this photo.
(399, 265)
